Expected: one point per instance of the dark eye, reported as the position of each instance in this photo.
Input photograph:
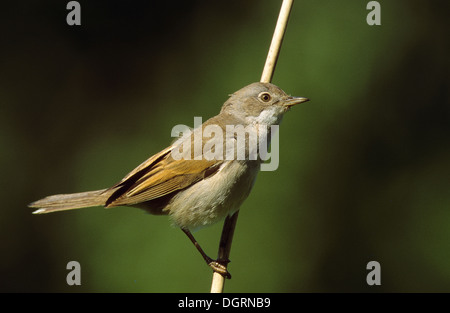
(265, 96)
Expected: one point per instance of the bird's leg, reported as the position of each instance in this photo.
(218, 266)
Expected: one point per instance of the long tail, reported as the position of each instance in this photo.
(71, 201)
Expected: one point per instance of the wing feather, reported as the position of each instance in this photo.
(159, 176)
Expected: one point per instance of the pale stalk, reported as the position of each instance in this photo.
(218, 281)
(277, 39)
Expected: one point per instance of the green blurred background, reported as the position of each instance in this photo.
(364, 167)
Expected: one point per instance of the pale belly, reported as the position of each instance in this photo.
(212, 199)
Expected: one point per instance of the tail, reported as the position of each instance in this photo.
(71, 201)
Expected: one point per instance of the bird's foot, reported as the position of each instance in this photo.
(220, 266)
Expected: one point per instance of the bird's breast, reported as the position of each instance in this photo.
(212, 199)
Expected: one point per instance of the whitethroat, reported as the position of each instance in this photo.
(193, 189)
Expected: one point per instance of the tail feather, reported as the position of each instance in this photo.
(71, 201)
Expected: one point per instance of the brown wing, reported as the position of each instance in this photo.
(160, 175)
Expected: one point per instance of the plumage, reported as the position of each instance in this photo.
(194, 190)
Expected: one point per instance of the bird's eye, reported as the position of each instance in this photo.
(265, 96)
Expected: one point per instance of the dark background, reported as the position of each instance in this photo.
(364, 166)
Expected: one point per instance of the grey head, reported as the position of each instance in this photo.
(259, 103)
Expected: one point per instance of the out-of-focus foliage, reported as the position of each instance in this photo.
(364, 167)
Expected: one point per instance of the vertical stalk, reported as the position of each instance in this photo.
(218, 281)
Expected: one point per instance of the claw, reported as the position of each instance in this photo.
(220, 267)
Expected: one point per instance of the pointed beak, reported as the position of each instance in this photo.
(291, 101)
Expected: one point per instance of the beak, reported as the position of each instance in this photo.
(291, 101)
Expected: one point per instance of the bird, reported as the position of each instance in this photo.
(184, 182)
